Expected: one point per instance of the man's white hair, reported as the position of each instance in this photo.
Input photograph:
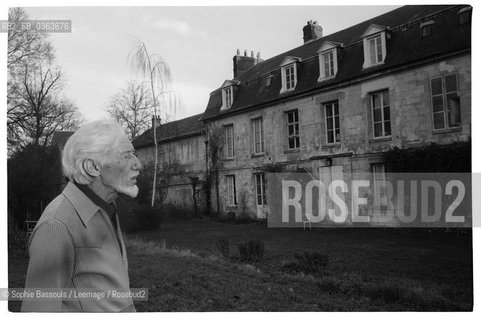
(95, 141)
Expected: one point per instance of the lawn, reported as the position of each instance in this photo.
(368, 269)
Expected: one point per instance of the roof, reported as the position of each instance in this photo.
(174, 130)
(60, 138)
(404, 31)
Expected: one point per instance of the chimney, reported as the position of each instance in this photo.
(155, 121)
(312, 31)
(242, 63)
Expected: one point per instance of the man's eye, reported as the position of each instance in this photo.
(130, 155)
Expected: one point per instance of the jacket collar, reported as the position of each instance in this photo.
(84, 206)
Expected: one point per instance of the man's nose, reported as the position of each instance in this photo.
(137, 164)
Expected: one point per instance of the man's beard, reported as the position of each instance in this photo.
(130, 191)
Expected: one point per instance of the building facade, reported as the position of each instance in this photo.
(334, 105)
(181, 156)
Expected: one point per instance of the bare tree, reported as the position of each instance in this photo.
(25, 45)
(36, 108)
(131, 107)
(157, 73)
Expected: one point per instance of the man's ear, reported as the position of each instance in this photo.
(91, 168)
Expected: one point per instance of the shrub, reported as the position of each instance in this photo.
(173, 212)
(389, 292)
(223, 246)
(34, 178)
(312, 262)
(135, 218)
(455, 157)
(251, 251)
(148, 217)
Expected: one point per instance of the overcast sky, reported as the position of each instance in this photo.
(198, 43)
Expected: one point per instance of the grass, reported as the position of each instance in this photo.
(369, 269)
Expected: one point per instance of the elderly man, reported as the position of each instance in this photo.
(77, 243)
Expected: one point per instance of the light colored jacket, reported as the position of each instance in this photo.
(74, 246)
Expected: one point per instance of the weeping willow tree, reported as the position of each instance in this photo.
(157, 73)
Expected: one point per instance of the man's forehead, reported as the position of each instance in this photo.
(125, 146)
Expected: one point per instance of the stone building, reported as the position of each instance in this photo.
(182, 152)
(335, 104)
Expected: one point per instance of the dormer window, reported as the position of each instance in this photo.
(328, 60)
(426, 28)
(228, 93)
(289, 74)
(374, 46)
(268, 81)
(227, 97)
(464, 15)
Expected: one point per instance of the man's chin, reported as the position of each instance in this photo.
(130, 191)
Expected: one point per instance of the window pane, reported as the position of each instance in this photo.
(375, 101)
(329, 123)
(336, 109)
(290, 130)
(387, 113)
(337, 122)
(454, 112)
(387, 128)
(378, 129)
(289, 117)
(439, 120)
(438, 104)
(291, 143)
(451, 85)
(328, 110)
(379, 49)
(338, 135)
(385, 98)
(330, 136)
(297, 142)
(377, 115)
(372, 51)
(436, 86)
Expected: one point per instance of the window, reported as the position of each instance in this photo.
(268, 81)
(445, 102)
(289, 74)
(290, 77)
(375, 50)
(229, 140)
(381, 114)
(328, 59)
(257, 135)
(374, 43)
(426, 31)
(231, 190)
(464, 15)
(293, 129)
(260, 184)
(379, 179)
(333, 132)
(426, 28)
(226, 98)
